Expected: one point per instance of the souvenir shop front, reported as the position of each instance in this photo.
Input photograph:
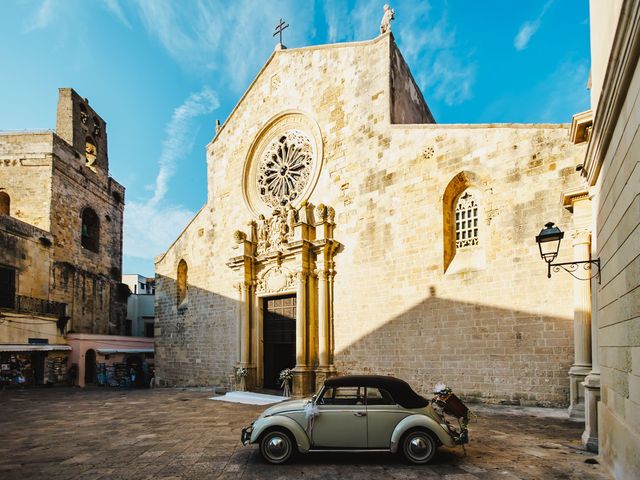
(111, 360)
(29, 365)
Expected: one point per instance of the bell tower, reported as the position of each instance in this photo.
(82, 128)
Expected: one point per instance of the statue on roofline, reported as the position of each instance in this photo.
(389, 14)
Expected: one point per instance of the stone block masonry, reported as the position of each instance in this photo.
(52, 180)
(404, 299)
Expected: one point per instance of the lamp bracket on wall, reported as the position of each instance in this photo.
(549, 243)
(572, 267)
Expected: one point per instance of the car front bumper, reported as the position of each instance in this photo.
(245, 437)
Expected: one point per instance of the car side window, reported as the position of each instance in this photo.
(342, 396)
(379, 396)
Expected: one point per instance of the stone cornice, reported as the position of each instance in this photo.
(569, 198)
(623, 59)
(580, 127)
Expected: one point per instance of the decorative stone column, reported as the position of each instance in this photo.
(581, 327)
(579, 204)
(591, 383)
(238, 288)
(325, 368)
(326, 250)
(245, 346)
(584, 213)
(301, 320)
(591, 386)
(243, 263)
(303, 373)
(245, 338)
(323, 320)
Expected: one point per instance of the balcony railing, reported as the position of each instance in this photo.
(38, 306)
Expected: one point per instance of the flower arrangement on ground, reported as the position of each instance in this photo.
(285, 378)
(446, 402)
(241, 375)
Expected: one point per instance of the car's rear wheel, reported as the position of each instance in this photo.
(419, 446)
(277, 446)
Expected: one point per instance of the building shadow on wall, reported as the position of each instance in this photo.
(484, 353)
(195, 340)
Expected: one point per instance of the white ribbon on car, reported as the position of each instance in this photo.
(310, 412)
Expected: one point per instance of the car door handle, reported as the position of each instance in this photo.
(360, 414)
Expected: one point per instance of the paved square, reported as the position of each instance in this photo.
(180, 434)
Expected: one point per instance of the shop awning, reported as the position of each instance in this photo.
(111, 351)
(28, 347)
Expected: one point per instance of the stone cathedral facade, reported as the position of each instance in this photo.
(345, 231)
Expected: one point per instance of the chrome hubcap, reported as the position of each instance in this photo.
(277, 447)
(419, 448)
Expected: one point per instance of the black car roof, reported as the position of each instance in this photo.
(400, 390)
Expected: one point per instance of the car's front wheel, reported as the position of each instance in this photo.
(276, 446)
(419, 446)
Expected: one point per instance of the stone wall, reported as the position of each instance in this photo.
(499, 331)
(407, 103)
(49, 182)
(25, 175)
(26, 249)
(614, 171)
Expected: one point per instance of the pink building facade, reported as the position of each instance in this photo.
(111, 360)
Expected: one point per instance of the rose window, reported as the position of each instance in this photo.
(284, 168)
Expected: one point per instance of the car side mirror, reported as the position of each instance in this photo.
(314, 398)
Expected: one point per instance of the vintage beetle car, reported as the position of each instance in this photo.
(365, 413)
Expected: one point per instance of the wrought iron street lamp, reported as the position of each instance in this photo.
(549, 243)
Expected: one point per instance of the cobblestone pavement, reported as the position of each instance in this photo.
(179, 434)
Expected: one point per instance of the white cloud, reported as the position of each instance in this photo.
(180, 136)
(565, 91)
(151, 225)
(43, 17)
(428, 43)
(114, 7)
(234, 38)
(451, 79)
(529, 28)
(149, 231)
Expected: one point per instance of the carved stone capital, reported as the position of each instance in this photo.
(321, 273)
(321, 212)
(581, 236)
(331, 214)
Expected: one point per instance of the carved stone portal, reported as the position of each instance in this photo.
(290, 252)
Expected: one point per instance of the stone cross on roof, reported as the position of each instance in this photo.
(279, 28)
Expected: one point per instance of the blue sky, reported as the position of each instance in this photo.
(161, 72)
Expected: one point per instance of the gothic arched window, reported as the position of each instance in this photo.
(182, 282)
(466, 219)
(462, 207)
(5, 203)
(90, 230)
